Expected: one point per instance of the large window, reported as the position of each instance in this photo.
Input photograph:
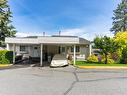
(77, 49)
(22, 48)
(72, 49)
(63, 49)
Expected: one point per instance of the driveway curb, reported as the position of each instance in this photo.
(5, 65)
(102, 67)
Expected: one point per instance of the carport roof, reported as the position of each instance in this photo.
(47, 40)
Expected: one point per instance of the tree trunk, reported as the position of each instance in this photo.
(105, 58)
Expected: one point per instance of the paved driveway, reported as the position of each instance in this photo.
(62, 81)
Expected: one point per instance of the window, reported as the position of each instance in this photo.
(22, 48)
(63, 49)
(72, 49)
(77, 49)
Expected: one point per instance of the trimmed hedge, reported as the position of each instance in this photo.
(6, 57)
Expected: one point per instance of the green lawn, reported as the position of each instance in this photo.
(83, 63)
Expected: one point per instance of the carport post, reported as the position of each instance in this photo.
(74, 54)
(41, 59)
(13, 53)
(7, 46)
(90, 48)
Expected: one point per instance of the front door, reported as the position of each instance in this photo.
(36, 51)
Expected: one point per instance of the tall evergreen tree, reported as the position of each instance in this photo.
(6, 29)
(120, 18)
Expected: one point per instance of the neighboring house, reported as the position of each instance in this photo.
(44, 47)
(96, 52)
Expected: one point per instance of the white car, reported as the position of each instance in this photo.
(59, 60)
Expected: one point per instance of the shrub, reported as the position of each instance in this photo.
(92, 58)
(6, 57)
(109, 61)
(124, 56)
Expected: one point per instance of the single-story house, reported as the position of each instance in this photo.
(44, 46)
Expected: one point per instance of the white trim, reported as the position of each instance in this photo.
(47, 40)
(13, 53)
(90, 47)
(74, 54)
(41, 57)
(7, 46)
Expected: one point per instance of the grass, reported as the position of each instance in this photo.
(84, 63)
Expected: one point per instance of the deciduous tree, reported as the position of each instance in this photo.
(106, 45)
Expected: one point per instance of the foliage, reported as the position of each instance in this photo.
(121, 37)
(120, 17)
(124, 56)
(106, 45)
(92, 58)
(6, 29)
(6, 57)
(109, 61)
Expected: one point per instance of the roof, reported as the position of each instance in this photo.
(47, 40)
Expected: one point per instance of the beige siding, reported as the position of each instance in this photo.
(52, 49)
(84, 50)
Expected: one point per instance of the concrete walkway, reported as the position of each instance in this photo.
(62, 81)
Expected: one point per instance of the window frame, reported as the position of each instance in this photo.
(63, 49)
(22, 48)
(77, 49)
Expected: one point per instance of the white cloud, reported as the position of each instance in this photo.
(72, 32)
(100, 26)
(22, 34)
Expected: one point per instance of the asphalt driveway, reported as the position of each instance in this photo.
(62, 81)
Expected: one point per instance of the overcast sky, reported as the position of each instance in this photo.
(84, 18)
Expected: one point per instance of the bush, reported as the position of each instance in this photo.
(6, 57)
(92, 58)
(124, 56)
(109, 61)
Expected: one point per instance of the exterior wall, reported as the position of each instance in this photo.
(84, 50)
(29, 49)
(10, 47)
(52, 49)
